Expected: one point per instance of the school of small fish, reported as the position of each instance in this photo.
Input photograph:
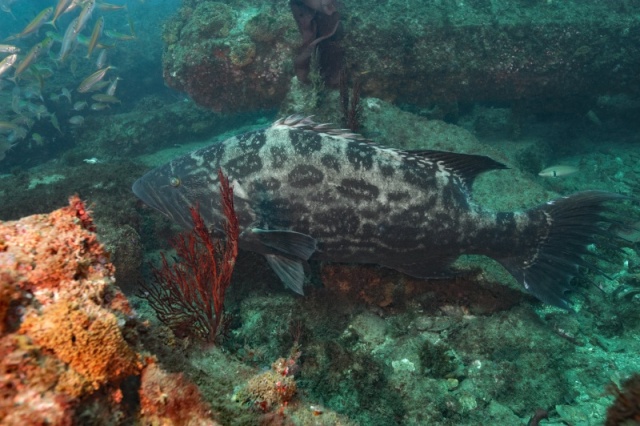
(77, 41)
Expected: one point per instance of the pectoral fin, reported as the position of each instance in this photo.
(291, 243)
(286, 252)
(290, 271)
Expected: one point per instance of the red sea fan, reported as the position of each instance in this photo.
(188, 295)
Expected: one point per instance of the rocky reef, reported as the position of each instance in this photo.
(231, 57)
(70, 346)
(73, 350)
(236, 57)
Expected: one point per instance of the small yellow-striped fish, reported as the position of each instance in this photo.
(55, 123)
(76, 120)
(80, 105)
(60, 8)
(84, 40)
(90, 81)
(108, 7)
(102, 59)
(6, 126)
(34, 25)
(119, 36)
(104, 98)
(7, 48)
(54, 35)
(95, 35)
(66, 93)
(99, 86)
(5, 6)
(84, 16)
(558, 171)
(69, 41)
(111, 90)
(7, 63)
(73, 5)
(38, 139)
(132, 28)
(99, 107)
(44, 71)
(29, 59)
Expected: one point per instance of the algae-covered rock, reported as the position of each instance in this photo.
(238, 56)
(70, 347)
(231, 57)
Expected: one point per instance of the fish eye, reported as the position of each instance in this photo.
(175, 182)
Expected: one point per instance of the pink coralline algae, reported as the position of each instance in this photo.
(68, 336)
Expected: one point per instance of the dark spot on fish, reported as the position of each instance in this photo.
(414, 177)
(411, 216)
(252, 140)
(371, 214)
(358, 189)
(281, 213)
(266, 185)
(360, 156)
(243, 211)
(403, 235)
(340, 221)
(442, 217)
(212, 154)
(381, 211)
(245, 164)
(305, 175)
(276, 207)
(398, 196)
(387, 170)
(279, 156)
(321, 197)
(370, 229)
(330, 162)
(305, 142)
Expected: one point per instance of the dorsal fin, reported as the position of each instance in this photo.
(466, 166)
(298, 121)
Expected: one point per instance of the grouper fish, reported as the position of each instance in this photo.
(304, 191)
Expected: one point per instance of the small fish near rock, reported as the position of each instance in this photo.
(77, 120)
(305, 191)
(558, 171)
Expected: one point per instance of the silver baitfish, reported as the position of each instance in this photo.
(308, 191)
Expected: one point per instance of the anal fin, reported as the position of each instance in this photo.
(430, 268)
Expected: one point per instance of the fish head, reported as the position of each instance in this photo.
(178, 185)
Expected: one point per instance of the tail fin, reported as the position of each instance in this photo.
(565, 227)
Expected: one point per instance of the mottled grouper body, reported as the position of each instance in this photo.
(307, 191)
